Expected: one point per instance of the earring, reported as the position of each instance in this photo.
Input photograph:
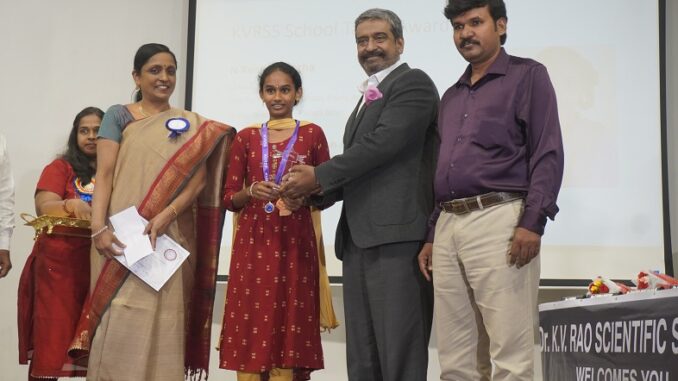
(133, 96)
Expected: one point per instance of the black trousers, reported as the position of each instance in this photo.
(388, 310)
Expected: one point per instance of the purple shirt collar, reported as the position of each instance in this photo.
(498, 67)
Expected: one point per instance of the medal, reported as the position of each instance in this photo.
(269, 207)
(177, 126)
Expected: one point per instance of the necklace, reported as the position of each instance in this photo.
(142, 112)
(158, 110)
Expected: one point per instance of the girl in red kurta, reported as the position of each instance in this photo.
(55, 279)
(271, 321)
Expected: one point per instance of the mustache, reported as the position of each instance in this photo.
(468, 41)
(376, 53)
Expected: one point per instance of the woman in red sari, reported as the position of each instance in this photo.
(55, 279)
(271, 327)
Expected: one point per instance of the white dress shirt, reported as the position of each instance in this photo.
(6, 196)
(375, 79)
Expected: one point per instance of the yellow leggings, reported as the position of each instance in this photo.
(276, 374)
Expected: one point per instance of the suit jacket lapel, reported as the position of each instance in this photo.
(358, 112)
(349, 130)
(359, 117)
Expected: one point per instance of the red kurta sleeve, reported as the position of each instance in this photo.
(55, 178)
(237, 169)
(320, 150)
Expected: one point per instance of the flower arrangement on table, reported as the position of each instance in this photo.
(602, 285)
(654, 280)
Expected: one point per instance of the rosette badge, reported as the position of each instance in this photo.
(85, 192)
(372, 93)
(177, 126)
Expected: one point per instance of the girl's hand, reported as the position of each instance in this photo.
(265, 190)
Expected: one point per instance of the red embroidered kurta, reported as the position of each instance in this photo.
(271, 319)
(52, 289)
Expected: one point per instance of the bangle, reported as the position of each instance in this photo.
(99, 231)
(251, 186)
(173, 210)
(63, 206)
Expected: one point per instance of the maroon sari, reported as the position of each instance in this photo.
(53, 287)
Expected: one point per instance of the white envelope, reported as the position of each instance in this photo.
(129, 228)
(156, 269)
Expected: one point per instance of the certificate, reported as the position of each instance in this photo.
(157, 268)
(154, 267)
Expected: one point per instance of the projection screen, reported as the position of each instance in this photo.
(604, 62)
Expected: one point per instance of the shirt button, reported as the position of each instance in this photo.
(458, 139)
(452, 193)
(452, 165)
(465, 116)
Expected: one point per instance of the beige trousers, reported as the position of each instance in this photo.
(485, 312)
(274, 375)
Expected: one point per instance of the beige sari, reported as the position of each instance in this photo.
(141, 333)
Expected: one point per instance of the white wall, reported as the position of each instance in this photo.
(56, 57)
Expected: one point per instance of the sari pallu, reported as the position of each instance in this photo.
(52, 289)
(124, 312)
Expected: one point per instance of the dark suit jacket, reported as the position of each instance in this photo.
(385, 175)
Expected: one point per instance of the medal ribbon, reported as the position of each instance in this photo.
(285, 155)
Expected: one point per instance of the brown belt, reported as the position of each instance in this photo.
(470, 204)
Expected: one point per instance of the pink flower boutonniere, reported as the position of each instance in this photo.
(372, 93)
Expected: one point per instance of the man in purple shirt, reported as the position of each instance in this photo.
(498, 175)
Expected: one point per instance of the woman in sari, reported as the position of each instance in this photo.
(168, 163)
(55, 279)
(271, 326)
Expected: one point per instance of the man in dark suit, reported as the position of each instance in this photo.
(384, 178)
